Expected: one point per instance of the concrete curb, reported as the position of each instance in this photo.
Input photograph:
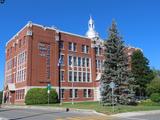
(139, 113)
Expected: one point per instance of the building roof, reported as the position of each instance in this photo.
(45, 27)
(11, 87)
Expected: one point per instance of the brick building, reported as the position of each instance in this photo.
(37, 56)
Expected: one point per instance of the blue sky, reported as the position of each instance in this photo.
(138, 21)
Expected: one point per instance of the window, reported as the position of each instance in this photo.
(62, 93)
(97, 63)
(79, 61)
(70, 93)
(96, 51)
(88, 77)
(74, 47)
(70, 60)
(100, 51)
(75, 76)
(87, 49)
(87, 60)
(70, 76)
(84, 76)
(20, 94)
(89, 93)
(61, 59)
(62, 75)
(61, 45)
(85, 93)
(76, 93)
(75, 61)
(70, 46)
(79, 76)
(83, 48)
(83, 62)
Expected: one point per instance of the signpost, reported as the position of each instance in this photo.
(48, 91)
(112, 86)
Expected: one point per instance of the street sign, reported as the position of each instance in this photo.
(112, 85)
(49, 86)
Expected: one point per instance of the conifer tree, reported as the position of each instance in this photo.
(115, 66)
(141, 72)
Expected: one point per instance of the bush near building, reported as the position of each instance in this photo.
(40, 96)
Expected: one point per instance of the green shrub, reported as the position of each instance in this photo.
(148, 102)
(155, 97)
(40, 96)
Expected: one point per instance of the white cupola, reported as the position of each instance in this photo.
(91, 33)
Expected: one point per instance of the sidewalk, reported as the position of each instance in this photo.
(139, 113)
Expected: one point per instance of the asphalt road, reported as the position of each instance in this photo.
(34, 114)
(152, 116)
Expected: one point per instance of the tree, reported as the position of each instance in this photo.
(1, 96)
(115, 66)
(141, 72)
(153, 86)
(156, 72)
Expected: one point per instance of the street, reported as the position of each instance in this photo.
(34, 114)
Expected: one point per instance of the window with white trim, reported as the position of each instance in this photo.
(70, 76)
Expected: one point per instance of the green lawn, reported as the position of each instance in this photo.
(106, 109)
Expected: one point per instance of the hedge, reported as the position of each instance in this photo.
(40, 96)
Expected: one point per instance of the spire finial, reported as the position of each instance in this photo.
(91, 28)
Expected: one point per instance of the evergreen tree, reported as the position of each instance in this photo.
(115, 66)
(141, 72)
